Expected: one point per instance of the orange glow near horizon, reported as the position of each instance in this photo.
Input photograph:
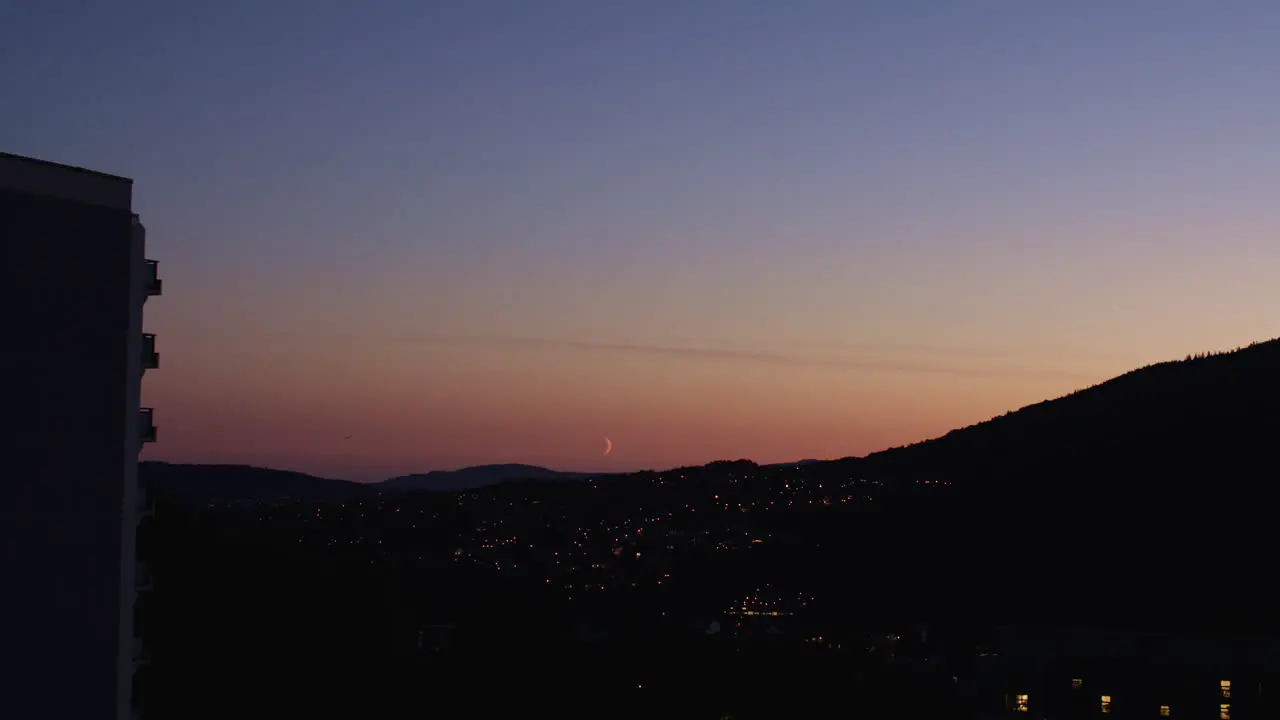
(365, 410)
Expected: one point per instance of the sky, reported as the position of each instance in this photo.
(399, 236)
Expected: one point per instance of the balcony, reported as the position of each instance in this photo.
(142, 614)
(141, 653)
(141, 576)
(144, 539)
(138, 692)
(151, 278)
(144, 506)
(150, 358)
(146, 428)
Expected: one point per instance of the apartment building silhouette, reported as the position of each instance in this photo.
(75, 279)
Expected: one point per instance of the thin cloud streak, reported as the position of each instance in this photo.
(867, 364)
(742, 354)
(989, 351)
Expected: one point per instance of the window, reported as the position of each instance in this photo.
(1077, 683)
(1164, 711)
(1224, 711)
(1021, 703)
(1226, 688)
(1106, 703)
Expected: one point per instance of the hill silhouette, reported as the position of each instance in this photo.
(230, 484)
(474, 477)
(1143, 499)
(1142, 429)
(238, 484)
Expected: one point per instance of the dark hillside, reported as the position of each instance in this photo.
(1140, 430)
(1147, 496)
(234, 484)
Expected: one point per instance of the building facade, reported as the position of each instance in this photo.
(1091, 673)
(75, 279)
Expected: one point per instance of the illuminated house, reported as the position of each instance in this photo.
(75, 281)
(1083, 672)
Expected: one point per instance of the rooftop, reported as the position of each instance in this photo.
(9, 157)
(68, 182)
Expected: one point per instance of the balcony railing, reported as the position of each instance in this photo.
(151, 278)
(146, 427)
(150, 358)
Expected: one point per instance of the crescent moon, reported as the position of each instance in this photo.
(608, 445)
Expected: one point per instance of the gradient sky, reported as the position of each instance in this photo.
(481, 231)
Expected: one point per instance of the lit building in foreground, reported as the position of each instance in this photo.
(1081, 672)
(75, 278)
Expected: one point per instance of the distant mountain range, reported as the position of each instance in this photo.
(204, 484)
(243, 483)
(474, 477)
(201, 484)
(1200, 417)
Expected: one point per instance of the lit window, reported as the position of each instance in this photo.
(1164, 711)
(1077, 683)
(1106, 703)
(1021, 703)
(1224, 711)
(1226, 688)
